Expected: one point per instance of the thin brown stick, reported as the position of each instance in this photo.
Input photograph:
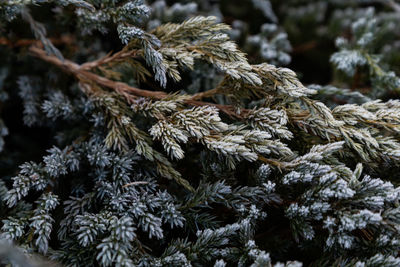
(119, 56)
(82, 74)
(280, 165)
(122, 88)
(64, 39)
(205, 94)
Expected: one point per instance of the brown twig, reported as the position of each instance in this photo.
(119, 56)
(205, 94)
(64, 39)
(122, 88)
(82, 74)
(279, 164)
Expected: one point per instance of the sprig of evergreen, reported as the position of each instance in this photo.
(179, 149)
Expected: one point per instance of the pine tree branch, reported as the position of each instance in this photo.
(129, 92)
(82, 74)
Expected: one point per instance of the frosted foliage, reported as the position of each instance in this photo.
(184, 133)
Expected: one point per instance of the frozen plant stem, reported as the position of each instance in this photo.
(82, 73)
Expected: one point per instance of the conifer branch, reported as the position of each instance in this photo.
(81, 72)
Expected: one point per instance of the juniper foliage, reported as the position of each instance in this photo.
(155, 133)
